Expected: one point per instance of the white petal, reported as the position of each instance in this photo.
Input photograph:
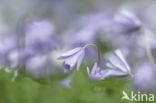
(94, 69)
(73, 59)
(114, 73)
(117, 63)
(119, 53)
(80, 59)
(71, 52)
(88, 71)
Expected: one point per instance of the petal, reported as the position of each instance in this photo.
(114, 73)
(88, 71)
(117, 63)
(104, 74)
(80, 59)
(67, 67)
(70, 53)
(119, 53)
(94, 69)
(73, 59)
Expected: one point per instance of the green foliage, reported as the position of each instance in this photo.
(27, 90)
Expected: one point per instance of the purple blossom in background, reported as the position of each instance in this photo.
(66, 82)
(21, 49)
(117, 65)
(40, 35)
(38, 66)
(7, 44)
(144, 76)
(150, 37)
(126, 22)
(123, 29)
(96, 73)
(71, 58)
(86, 29)
(18, 57)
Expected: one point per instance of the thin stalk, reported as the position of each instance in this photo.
(148, 49)
(97, 49)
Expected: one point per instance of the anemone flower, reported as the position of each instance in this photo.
(40, 35)
(144, 76)
(19, 57)
(126, 22)
(71, 58)
(117, 65)
(96, 73)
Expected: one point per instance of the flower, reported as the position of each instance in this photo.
(85, 30)
(117, 65)
(144, 76)
(66, 82)
(19, 57)
(126, 22)
(150, 38)
(40, 35)
(7, 44)
(71, 58)
(38, 65)
(96, 73)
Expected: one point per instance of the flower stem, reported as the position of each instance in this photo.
(148, 49)
(98, 52)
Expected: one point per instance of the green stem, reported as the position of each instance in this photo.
(148, 49)
(98, 52)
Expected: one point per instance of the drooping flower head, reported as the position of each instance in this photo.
(126, 22)
(72, 58)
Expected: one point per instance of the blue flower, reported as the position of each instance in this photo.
(7, 44)
(19, 57)
(96, 73)
(66, 82)
(117, 65)
(40, 35)
(71, 58)
(144, 75)
(126, 22)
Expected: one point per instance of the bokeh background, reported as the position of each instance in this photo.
(34, 33)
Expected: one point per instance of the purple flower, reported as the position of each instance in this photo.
(126, 22)
(40, 35)
(19, 57)
(96, 73)
(37, 65)
(86, 29)
(66, 82)
(7, 44)
(150, 38)
(71, 58)
(144, 76)
(117, 65)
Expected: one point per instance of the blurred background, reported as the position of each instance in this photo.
(34, 33)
